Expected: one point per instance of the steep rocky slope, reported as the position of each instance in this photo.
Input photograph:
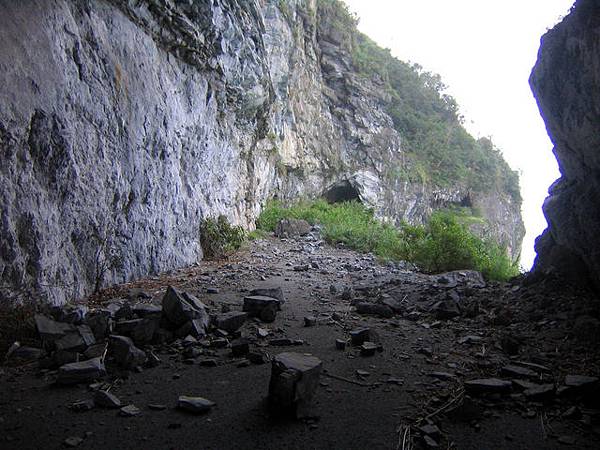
(123, 124)
(567, 86)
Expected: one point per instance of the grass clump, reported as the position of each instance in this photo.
(219, 238)
(443, 244)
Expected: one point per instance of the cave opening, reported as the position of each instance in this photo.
(342, 191)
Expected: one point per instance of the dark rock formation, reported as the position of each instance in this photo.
(566, 83)
(124, 124)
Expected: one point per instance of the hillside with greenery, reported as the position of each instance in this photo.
(441, 151)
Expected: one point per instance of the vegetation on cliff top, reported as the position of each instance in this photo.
(441, 150)
(443, 244)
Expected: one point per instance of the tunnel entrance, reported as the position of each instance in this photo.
(342, 191)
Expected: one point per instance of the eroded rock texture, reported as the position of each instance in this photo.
(124, 123)
(566, 83)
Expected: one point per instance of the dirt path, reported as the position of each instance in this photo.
(362, 402)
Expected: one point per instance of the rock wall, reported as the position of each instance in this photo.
(124, 123)
(566, 83)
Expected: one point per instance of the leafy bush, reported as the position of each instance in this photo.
(443, 244)
(219, 238)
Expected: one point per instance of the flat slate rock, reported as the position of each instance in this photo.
(81, 372)
(540, 392)
(270, 291)
(488, 386)
(51, 330)
(105, 399)
(129, 411)
(194, 405)
(519, 372)
(375, 309)
(580, 381)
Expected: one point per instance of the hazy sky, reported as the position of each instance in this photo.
(484, 50)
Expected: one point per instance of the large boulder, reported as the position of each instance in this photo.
(180, 308)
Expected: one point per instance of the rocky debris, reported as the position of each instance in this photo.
(270, 291)
(73, 441)
(291, 228)
(488, 386)
(81, 372)
(129, 411)
(340, 344)
(445, 309)
(359, 336)
(23, 354)
(125, 353)
(294, 380)
(368, 348)
(519, 372)
(375, 309)
(254, 305)
(50, 330)
(542, 392)
(231, 321)
(105, 399)
(194, 405)
(181, 308)
(240, 347)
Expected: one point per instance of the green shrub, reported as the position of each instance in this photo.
(219, 238)
(443, 244)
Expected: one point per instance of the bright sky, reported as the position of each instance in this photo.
(484, 50)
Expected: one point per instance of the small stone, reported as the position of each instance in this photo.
(272, 292)
(194, 405)
(219, 343)
(126, 354)
(129, 411)
(360, 335)
(488, 386)
(362, 373)
(290, 228)
(105, 399)
(262, 332)
(212, 290)
(368, 348)
(81, 372)
(157, 407)
(340, 344)
(231, 321)
(254, 304)
(519, 372)
(445, 309)
(580, 381)
(294, 380)
(72, 441)
(310, 321)
(82, 405)
(540, 393)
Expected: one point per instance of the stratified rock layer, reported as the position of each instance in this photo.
(566, 83)
(123, 124)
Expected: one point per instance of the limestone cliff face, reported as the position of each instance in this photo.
(124, 123)
(566, 83)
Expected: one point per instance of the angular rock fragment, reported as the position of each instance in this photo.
(294, 380)
(310, 321)
(273, 292)
(368, 348)
(145, 329)
(51, 330)
(254, 304)
(540, 392)
(24, 353)
(488, 386)
(194, 405)
(257, 357)
(81, 372)
(98, 321)
(124, 351)
(181, 307)
(519, 372)
(445, 310)
(268, 314)
(129, 411)
(105, 399)
(340, 344)
(231, 321)
(71, 342)
(360, 335)
(143, 310)
(375, 309)
(72, 441)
